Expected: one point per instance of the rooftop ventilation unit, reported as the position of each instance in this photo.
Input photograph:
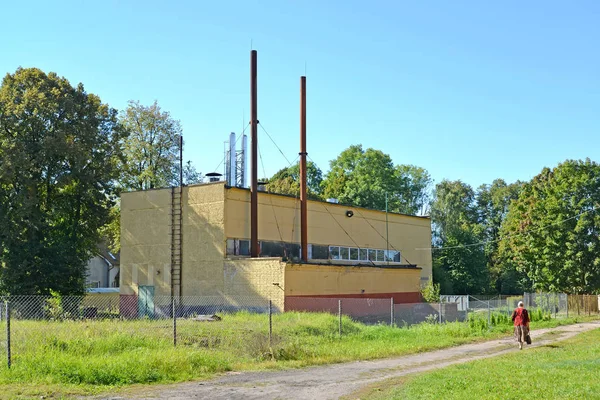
(214, 176)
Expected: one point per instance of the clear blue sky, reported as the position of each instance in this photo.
(468, 90)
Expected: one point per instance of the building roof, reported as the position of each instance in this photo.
(287, 195)
(328, 203)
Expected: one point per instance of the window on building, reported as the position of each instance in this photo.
(391, 255)
(244, 248)
(380, 255)
(320, 252)
(354, 254)
(292, 250)
(364, 255)
(334, 252)
(271, 249)
(372, 255)
(238, 247)
(344, 253)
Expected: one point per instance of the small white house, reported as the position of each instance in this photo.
(103, 269)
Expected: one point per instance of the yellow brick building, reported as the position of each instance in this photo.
(349, 255)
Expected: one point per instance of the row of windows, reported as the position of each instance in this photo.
(241, 247)
(357, 254)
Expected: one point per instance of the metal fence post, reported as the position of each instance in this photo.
(392, 311)
(489, 315)
(440, 311)
(8, 355)
(270, 323)
(567, 305)
(174, 321)
(340, 316)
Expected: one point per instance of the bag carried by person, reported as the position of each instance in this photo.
(528, 338)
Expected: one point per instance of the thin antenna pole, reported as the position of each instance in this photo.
(180, 160)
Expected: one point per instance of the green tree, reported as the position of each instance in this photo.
(459, 261)
(152, 149)
(151, 158)
(493, 202)
(552, 231)
(287, 181)
(360, 177)
(364, 178)
(412, 194)
(59, 151)
(190, 175)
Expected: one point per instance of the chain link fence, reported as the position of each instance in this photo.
(41, 323)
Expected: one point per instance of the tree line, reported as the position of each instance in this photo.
(65, 156)
(500, 238)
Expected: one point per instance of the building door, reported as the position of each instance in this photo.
(146, 301)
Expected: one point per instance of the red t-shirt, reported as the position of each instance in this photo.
(520, 316)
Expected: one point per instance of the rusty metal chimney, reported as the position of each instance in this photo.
(303, 154)
(254, 251)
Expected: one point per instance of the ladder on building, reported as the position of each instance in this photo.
(176, 240)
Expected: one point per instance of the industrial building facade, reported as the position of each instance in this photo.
(352, 252)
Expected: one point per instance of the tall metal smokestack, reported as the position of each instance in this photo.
(254, 159)
(303, 153)
(231, 179)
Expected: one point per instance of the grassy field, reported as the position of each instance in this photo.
(86, 357)
(565, 370)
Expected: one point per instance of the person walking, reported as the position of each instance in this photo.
(520, 317)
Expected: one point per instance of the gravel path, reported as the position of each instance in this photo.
(334, 381)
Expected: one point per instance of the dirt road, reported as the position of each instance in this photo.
(334, 381)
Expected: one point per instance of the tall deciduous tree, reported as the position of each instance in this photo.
(151, 158)
(365, 178)
(459, 266)
(412, 195)
(552, 232)
(287, 180)
(59, 147)
(152, 148)
(493, 202)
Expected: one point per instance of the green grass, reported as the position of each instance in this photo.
(565, 370)
(86, 357)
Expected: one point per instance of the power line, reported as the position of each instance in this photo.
(278, 148)
(346, 232)
(261, 162)
(509, 236)
(387, 241)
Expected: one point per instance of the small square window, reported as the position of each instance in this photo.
(334, 252)
(363, 253)
(390, 255)
(230, 247)
(320, 252)
(380, 255)
(354, 254)
(244, 248)
(344, 253)
(372, 255)
(397, 257)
